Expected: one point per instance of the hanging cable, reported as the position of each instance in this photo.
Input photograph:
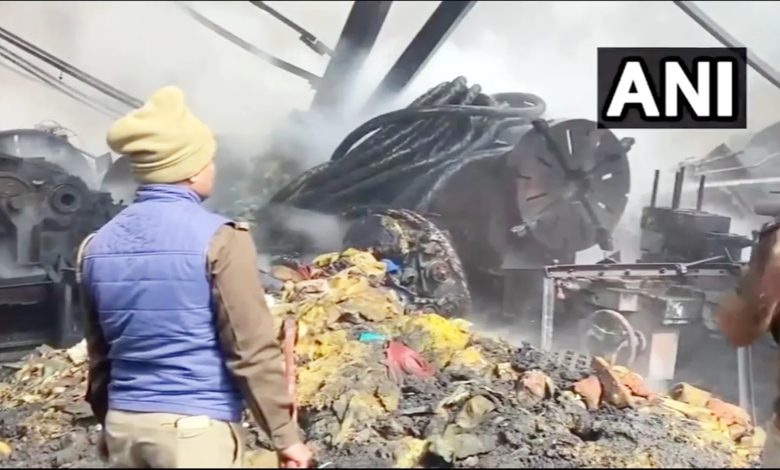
(271, 59)
(306, 37)
(69, 69)
(68, 90)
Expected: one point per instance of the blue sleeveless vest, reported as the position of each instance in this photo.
(146, 271)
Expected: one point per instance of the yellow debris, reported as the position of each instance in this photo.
(5, 449)
(360, 407)
(469, 358)
(362, 261)
(409, 452)
(442, 338)
(320, 382)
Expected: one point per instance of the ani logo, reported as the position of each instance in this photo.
(687, 88)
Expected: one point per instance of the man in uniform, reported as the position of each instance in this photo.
(178, 331)
(752, 310)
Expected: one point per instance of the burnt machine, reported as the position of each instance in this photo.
(657, 315)
(536, 190)
(737, 179)
(45, 212)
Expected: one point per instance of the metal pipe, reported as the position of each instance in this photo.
(63, 66)
(434, 32)
(548, 313)
(745, 382)
(256, 51)
(306, 37)
(763, 68)
(357, 39)
(700, 193)
(677, 191)
(36, 72)
(654, 195)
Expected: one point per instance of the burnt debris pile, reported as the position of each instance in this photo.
(379, 385)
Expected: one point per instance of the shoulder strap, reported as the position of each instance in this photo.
(80, 255)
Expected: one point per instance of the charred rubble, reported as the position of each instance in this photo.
(380, 385)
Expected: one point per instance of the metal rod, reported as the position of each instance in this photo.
(357, 39)
(308, 38)
(441, 23)
(763, 68)
(40, 74)
(744, 366)
(700, 193)
(654, 195)
(271, 59)
(548, 313)
(69, 69)
(677, 190)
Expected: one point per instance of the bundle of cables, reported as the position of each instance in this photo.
(401, 158)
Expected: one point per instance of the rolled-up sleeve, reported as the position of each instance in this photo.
(247, 334)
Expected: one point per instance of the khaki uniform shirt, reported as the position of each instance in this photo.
(246, 333)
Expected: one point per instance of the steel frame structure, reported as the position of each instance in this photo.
(554, 274)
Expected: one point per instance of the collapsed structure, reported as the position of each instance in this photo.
(380, 384)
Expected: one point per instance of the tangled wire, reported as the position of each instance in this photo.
(443, 130)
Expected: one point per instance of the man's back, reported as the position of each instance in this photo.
(177, 327)
(147, 273)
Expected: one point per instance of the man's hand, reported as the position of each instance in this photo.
(296, 456)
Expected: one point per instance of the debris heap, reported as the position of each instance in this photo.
(378, 386)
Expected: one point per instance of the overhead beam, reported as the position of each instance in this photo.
(357, 39)
(306, 37)
(256, 51)
(436, 30)
(696, 13)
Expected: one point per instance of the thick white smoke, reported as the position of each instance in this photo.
(548, 48)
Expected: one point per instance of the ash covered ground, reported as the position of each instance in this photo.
(380, 386)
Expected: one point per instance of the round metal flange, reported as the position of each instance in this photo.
(66, 199)
(572, 183)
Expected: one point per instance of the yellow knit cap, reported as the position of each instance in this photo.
(164, 141)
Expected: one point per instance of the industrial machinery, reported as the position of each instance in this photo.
(45, 212)
(656, 315)
(738, 179)
(536, 190)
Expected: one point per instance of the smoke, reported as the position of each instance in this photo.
(141, 46)
(548, 48)
(323, 232)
